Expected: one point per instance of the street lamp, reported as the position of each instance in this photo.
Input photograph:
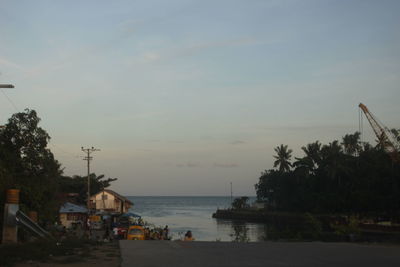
(6, 86)
(9, 86)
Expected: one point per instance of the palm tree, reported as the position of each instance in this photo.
(313, 155)
(334, 161)
(351, 143)
(283, 158)
(308, 165)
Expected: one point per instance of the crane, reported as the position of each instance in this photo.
(384, 135)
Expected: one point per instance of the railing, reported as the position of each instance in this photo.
(34, 228)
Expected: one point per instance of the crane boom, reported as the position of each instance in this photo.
(384, 135)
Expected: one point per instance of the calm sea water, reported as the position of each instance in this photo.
(195, 213)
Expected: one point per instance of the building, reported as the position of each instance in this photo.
(110, 201)
(72, 214)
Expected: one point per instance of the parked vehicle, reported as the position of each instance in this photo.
(135, 232)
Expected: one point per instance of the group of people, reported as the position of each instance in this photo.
(163, 234)
(157, 233)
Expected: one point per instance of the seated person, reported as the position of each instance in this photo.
(188, 236)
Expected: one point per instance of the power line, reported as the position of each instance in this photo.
(64, 151)
(9, 100)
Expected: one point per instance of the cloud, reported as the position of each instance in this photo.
(306, 127)
(199, 47)
(194, 48)
(225, 165)
(153, 140)
(188, 165)
(237, 142)
(151, 56)
(129, 26)
(9, 63)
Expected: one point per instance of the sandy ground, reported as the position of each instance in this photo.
(104, 255)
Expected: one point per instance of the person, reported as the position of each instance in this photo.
(153, 234)
(166, 232)
(146, 233)
(188, 236)
(115, 232)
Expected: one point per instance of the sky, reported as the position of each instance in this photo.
(184, 97)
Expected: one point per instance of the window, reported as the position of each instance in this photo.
(72, 217)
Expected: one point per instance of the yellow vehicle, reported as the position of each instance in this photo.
(135, 232)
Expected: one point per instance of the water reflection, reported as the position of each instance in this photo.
(240, 231)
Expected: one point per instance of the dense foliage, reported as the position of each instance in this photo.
(27, 164)
(347, 177)
(240, 203)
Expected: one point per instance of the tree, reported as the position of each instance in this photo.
(308, 164)
(28, 164)
(313, 152)
(333, 160)
(351, 143)
(78, 184)
(283, 158)
(240, 203)
(351, 179)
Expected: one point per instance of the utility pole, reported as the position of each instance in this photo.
(88, 158)
(231, 194)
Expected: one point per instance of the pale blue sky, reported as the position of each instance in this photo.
(183, 97)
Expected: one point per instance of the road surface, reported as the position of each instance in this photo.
(193, 254)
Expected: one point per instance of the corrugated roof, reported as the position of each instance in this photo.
(69, 207)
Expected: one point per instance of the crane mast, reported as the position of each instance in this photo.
(384, 135)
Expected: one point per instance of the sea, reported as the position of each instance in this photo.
(195, 214)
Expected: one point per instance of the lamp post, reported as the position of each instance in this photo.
(11, 206)
(6, 86)
(9, 86)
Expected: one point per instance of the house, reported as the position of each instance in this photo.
(110, 201)
(71, 214)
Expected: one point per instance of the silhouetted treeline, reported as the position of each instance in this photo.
(347, 177)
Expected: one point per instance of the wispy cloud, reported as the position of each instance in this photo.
(243, 41)
(226, 165)
(9, 63)
(195, 48)
(188, 165)
(237, 142)
(306, 127)
(151, 56)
